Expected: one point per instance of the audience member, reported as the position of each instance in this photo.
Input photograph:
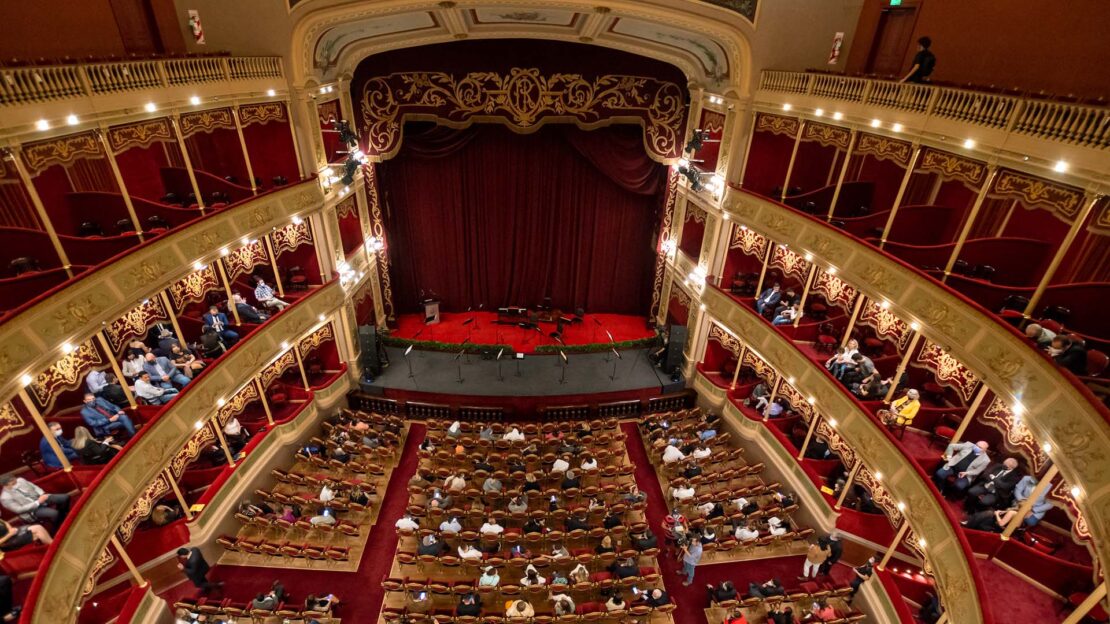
(836, 550)
(966, 461)
(489, 578)
(8, 612)
(520, 610)
(163, 372)
(562, 604)
(1069, 353)
(191, 562)
(723, 591)
(407, 523)
(902, 410)
(184, 359)
(469, 605)
(105, 385)
(210, 343)
(994, 520)
(862, 573)
(993, 488)
(691, 555)
(49, 457)
(1024, 489)
(769, 298)
(151, 393)
(14, 538)
(816, 555)
(247, 312)
(1039, 335)
(92, 451)
(265, 295)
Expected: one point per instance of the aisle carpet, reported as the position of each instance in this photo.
(483, 330)
(361, 592)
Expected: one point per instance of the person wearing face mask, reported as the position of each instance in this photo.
(49, 456)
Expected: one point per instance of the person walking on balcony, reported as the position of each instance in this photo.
(191, 562)
(923, 63)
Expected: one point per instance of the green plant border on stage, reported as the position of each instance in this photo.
(596, 347)
(454, 347)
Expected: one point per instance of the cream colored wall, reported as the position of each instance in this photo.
(243, 27)
(798, 34)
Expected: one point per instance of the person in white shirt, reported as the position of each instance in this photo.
(559, 551)
(155, 395)
(844, 360)
(740, 503)
(132, 367)
(265, 296)
(589, 463)
(561, 464)
(454, 430)
(671, 454)
(775, 526)
(407, 523)
(466, 551)
(705, 508)
(513, 435)
(489, 578)
(326, 494)
(682, 493)
(701, 452)
(518, 504)
(450, 525)
(491, 528)
(562, 604)
(532, 577)
(454, 483)
(745, 533)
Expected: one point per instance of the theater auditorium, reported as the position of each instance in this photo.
(549, 312)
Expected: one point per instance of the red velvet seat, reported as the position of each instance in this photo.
(873, 346)
(1096, 363)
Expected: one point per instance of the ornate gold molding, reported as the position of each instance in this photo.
(206, 121)
(658, 279)
(273, 371)
(1061, 200)
(193, 287)
(748, 242)
(11, 423)
(313, 341)
(245, 258)
(237, 403)
(835, 290)
(949, 371)
(63, 151)
(202, 439)
(291, 236)
(885, 322)
(777, 124)
(377, 230)
(140, 134)
(829, 136)
(790, 262)
(134, 322)
(1016, 434)
(952, 167)
(731, 343)
(65, 374)
(262, 114)
(884, 148)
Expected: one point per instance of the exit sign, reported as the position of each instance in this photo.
(895, 2)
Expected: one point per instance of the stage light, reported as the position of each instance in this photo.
(875, 123)
(819, 112)
(1018, 410)
(42, 124)
(198, 425)
(811, 400)
(914, 326)
(321, 317)
(72, 120)
(885, 305)
(1075, 491)
(809, 257)
(323, 90)
(921, 542)
(220, 402)
(832, 423)
(284, 346)
(350, 168)
(831, 270)
(195, 101)
(1060, 167)
(901, 506)
(790, 380)
(838, 115)
(271, 92)
(150, 107)
(725, 216)
(696, 140)
(878, 476)
(297, 220)
(969, 144)
(245, 241)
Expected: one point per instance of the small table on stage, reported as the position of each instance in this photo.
(431, 311)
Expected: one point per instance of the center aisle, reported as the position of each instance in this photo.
(361, 592)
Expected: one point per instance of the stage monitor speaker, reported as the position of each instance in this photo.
(672, 387)
(370, 356)
(676, 342)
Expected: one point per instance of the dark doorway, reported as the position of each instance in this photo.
(892, 40)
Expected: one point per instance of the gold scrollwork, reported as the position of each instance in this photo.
(790, 262)
(523, 98)
(1017, 435)
(712, 121)
(725, 339)
(837, 444)
(1100, 224)
(797, 402)
(11, 423)
(193, 286)
(140, 510)
(346, 208)
(1060, 494)
(103, 562)
(65, 374)
(261, 113)
(748, 241)
(199, 441)
(1061, 200)
(377, 229)
(206, 121)
(328, 112)
(885, 323)
(664, 235)
(884, 148)
(679, 296)
(829, 136)
(62, 151)
(953, 167)
(879, 495)
(237, 403)
(949, 371)
(245, 258)
(762, 369)
(777, 124)
(134, 322)
(139, 134)
(694, 213)
(835, 290)
(280, 365)
(290, 237)
(313, 341)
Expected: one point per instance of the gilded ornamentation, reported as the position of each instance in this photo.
(829, 136)
(778, 223)
(75, 314)
(328, 112)
(879, 278)
(193, 287)
(880, 496)
(245, 258)
(141, 508)
(280, 365)
(1060, 494)
(1100, 223)
(679, 296)
(150, 271)
(206, 121)
(134, 322)
(884, 148)
(664, 235)
(725, 339)
(885, 323)
(11, 423)
(949, 371)
(1062, 201)
(202, 439)
(103, 562)
(953, 167)
(762, 369)
(261, 113)
(313, 341)
(65, 374)
(140, 134)
(524, 99)
(746, 240)
(797, 402)
(777, 124)
(837, 444)
(62, 151)
(1017, 435)
(790, 262)
(695, 213)
(290, 237)
(712, 121)
(835, 290)
(346, 208)
(237, 403)
(377, 229)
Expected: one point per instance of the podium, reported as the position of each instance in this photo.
(431, 311)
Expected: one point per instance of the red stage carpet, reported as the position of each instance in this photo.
(483, 330)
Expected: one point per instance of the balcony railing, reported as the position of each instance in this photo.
(22, 85)
(1066, 122)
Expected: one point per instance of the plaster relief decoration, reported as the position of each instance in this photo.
(747, 241)
(1100, 223)
(530, 15)
(746, 8)
(245, 258)
(206, 121)
(135, 322)
(710, 55)
(328, 112)
(202, 439)
(694, 213)
(333, 41)
(829, 136)
(835, 290)
(286, 361)
(140, 510)
(193, 287)
(789, 262)
(884, 148)
(290, 237)
(1060, 495)
(140, 134)
(777, 124)
(798, 403)
(63, 151)
(1016, 434)
(250, 114)
(313, 341)
(661, 247)
(885, 323)
(523, 99)
(1064, 202)
(949, 371)
(237, 403)
(345, 208)
(762, 369)
(103, 561)
(728, 341)
(837, 444)
(679, 296)
(66, 374)
(952, 167)
(880, 496)
(11, 423)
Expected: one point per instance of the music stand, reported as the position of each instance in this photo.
(563, 376)
(465, 352)
(500, 377)
(613, 377)
(612, 345)
(412, 375)
(519, 357)
(458, 365)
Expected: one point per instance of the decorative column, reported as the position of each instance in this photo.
(243, 145)
(774, 394)
(843, 173)
(178, 494)
(300, 367)
(103, 340)
(739, 365)
(40, 210)
(848, 485)
(809, 435)
(223, 441)
(763, 271)
(805, 291)
(904, 363)
(126, 559)
(1088, 604)
(894, 545)
(1027, 504)
(992, 172)
(323, 247)
(265, 401)
(975, 403)
(175, 120)
(901, 194)
(293, 134)
(744, 126)
(269, 244)
(227, 289)
(36, 416)
(173, 317)
(1062, 251)
(107, 147)
(852, 319)
(793, 157)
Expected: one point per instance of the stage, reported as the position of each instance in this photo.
(454, 328)
(436, 378)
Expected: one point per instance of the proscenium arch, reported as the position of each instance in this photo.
(729, 29)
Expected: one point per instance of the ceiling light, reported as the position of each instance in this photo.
(1046, 447)
(901, 506)
(322, 317)
(26, 380)
(702, 307)
(72, 120)
(885, 305)
(297, 220)
(195, 100)
(67, 348)
(1075, 491)
(725, 216)
(150, 107)
(284, 346)
(198, 425)
(809, 257)
(819, 112)
(969, 143)
(878, 476)
(220, 402)
(875, 123)
(832, 423)
(896, 127)
(838, 115)
(197, 266)
(831, 271)
(811, 400)
(1060, 167)
(787, 107)
(914, 326)
(224, 251)
(921, 542)
(790, 380)
(42, 124)
(271, 92)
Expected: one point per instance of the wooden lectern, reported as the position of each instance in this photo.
(431, 311)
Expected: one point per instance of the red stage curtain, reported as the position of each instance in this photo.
(560, 213)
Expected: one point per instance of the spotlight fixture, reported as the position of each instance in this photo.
(819, 112)
(787, 107)
(350, 167)
(896, 127)
(696, 141)
(875, 123)
(838, 115)
(1060, 167)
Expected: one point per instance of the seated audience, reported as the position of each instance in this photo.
(1023, 491)
(247, 312)
(966, 461)
(132, 366)
(902, 410)
(993, 488)
(218, 321)
(787, 315)
(210, 343)
(725, 590)
(265, 296)
(656, 598)
(104, 417)
(184, 359)
(520, 610)
(105, 385)
(407, 523)
(14, 538)
(489, 578)
(562, 604)
(469, 605)
(163, 372)
(1069, 353)
(93, 452)
(151, 393)
(31, 503)
(994, 520)
(1039, 335)
(769, 298)
(615, 603)
(323, 604)
(49, 457)
(770, 588)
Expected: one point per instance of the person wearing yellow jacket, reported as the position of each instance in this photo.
(903, 410)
